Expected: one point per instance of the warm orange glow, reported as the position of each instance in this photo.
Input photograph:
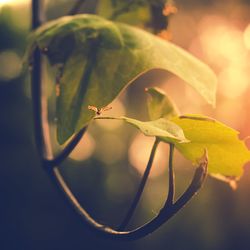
(166, 35)
(139, 152)
(169, 9)
(232, 112)
(84, 149)
(233, 82)
(222, 44)
(225, 47)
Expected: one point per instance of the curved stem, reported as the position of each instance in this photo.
(196, 184)
(37, 14)
(67, 150)
(140, 188)
(165, 214)
(43, 143)
(171, 184)
(39, 110)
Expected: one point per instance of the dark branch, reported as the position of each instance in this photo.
(36, 86)
(76, 7)
(67, 150)
(196, 184)
(140, 188)
(171, 184)
(38, 16)
(165, 214)
(158, 22)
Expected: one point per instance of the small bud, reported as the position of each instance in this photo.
(169, 9)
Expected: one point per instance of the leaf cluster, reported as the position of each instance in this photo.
(99, 58)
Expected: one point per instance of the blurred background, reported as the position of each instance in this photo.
(105, 168)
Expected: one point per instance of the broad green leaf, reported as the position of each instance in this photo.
(160, 105)
(226, 152)
(162, 128)
(100, 58)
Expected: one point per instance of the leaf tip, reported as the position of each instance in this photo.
(184, 141)
(230, 180)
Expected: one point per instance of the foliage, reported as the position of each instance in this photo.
(227, 153)
(100, 58)
(160, 105)
(193, 134)
(161, 128)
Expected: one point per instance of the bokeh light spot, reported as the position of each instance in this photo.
(84, 149)
(11, 65)
(110, 148)
(233, 82)
(139, 152)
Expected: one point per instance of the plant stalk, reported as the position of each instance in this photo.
(43, 143)
(171, 184)
(140, 188)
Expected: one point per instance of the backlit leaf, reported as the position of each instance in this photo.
(100, 58)
(162, 128)
(226, 152)
(160, 105)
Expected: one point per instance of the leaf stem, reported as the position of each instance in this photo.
(39, 107)
(140, 188)
(164, 215)
(107, 118)
(171, 185)
(197, 182)
(67, 149)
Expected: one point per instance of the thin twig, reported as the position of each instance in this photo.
(140, 188)
(171, 184)
(196, 184)
(36, 87)
(38, 16)
(67, 150)
(76, 7)
(165, 213)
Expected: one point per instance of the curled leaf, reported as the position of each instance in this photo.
(100, 58)
(160, 105)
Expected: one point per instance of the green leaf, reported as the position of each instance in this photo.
(162, 128)
(160, 105)
(227, 154)
(100, 58)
